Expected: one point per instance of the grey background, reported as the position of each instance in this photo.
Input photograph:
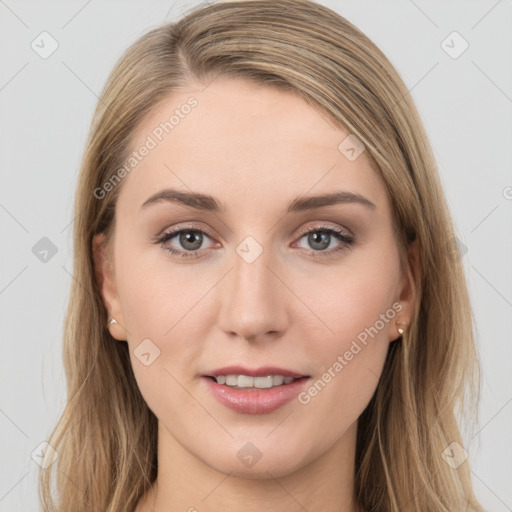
(46, 107)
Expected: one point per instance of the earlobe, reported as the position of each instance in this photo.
(105, 276)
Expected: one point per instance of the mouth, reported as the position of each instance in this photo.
(259, 391)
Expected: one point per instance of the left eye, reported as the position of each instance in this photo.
(320, 239)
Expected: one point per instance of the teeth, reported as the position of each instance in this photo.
(231, 380)
(245, 381)
(264, 382)
(277, 380)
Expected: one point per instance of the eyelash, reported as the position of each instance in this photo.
(347, 241)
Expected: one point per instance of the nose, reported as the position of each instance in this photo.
(254, 299)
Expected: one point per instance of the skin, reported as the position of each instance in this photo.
(254, 148)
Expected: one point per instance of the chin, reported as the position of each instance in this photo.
(259, 459)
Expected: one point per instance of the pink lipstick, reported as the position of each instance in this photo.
(254, 391)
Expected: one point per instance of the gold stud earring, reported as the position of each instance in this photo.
(401, 326)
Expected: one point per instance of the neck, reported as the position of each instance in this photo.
(186, 483)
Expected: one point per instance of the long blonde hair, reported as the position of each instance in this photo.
(107, 436)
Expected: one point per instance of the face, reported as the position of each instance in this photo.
(271, 284)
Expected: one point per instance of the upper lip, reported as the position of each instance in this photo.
(263, 371)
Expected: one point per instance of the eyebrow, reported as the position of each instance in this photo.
(206, 202)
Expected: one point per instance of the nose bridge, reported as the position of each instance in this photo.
(254, 303)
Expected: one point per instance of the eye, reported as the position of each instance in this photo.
(190, 239)
(321, 238)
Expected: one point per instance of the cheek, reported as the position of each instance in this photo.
(356, 304)
(156, 296)
(162, 313)
(348, 368)
(353, 297)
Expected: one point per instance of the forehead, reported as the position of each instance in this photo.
(238, 139)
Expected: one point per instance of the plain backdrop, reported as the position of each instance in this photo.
(464, 98)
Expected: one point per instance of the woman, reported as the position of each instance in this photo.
(266, 313)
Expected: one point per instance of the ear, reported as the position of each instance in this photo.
(105, 276)
(406, 291)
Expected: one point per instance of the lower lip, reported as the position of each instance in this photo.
(261, 401)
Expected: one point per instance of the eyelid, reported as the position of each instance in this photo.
(184, 227)
(323, 226)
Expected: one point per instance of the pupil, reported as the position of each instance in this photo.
(314, 239)
(191, 237)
